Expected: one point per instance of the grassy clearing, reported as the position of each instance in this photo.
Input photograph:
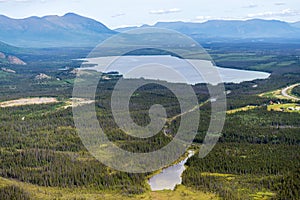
(264, 66)
(263, 195)
(246, 108)
(289, 107)
(217, 174)
(28, 101)
(286, 63)
(273, 94)
(51, 193)
(181, 193)
(279, 93)
(73, 102)
(241, 185)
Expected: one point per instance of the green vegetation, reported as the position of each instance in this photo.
(290, 107)
(243, 171)
(17, 188)
(257, 157)
(296, 91)
(269, 57)
(13, 192)
(246, 108)
(273, 94)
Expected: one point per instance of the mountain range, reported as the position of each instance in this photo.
(53, 31)
(255, 28)
(72, 30)
(5, 48)
(296, 24)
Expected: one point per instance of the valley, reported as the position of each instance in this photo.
(50, 148)
(42, 155)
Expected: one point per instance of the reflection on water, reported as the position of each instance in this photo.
(169, 177)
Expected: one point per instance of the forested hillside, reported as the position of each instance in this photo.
(257, 157)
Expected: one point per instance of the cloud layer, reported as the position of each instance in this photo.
(18, 1)
(283, 13)
(201, 18)
(279, 4)
(168, 11)
(251, 6)
(118, 15)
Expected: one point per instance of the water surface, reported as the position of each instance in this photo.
(169, 177)
(172, 69)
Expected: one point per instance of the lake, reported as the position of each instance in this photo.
(170, 176)
(172, 69)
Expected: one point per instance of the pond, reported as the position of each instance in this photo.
(170, 176)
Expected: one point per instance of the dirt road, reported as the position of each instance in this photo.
(285, 92)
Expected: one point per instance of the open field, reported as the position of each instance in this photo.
(28, 101)
(51, 193)
(289, 107)
(72, 102)
(272, 94)
(246, 108)
(284, 93)
(232, 178)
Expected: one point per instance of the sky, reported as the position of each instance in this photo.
(122, 13)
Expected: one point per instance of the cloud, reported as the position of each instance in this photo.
(15, 1)
(279, 4)
(251, 6)
(118, 15)
(283, 13)
(201, 18)
(161, 12)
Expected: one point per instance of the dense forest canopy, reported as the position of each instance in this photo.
(257, 155)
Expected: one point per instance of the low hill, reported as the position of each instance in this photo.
(10, 59)
(8, 49)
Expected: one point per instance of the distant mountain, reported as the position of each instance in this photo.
(53, 31)
(72, 30)
(296, 24)
(8, 49)
(233, 29)
(124, 29)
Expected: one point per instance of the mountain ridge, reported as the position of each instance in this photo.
(73, 30)
(296, 24)
(53, 31)
(254, 28)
